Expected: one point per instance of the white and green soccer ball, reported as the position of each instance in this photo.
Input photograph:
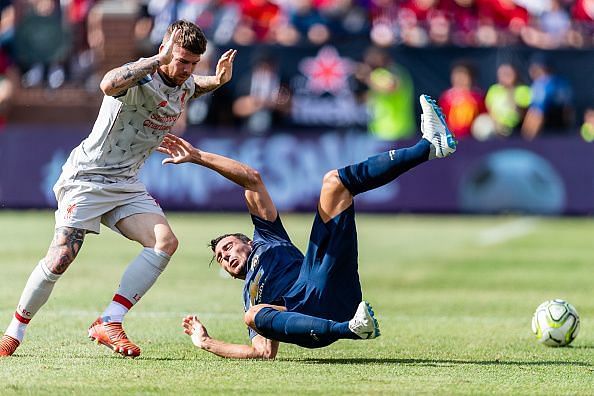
(555, 323)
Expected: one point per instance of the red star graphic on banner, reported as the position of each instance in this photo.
(327, 72)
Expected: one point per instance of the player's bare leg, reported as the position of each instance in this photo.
(154, 233)
(63, 250)
(335, 198)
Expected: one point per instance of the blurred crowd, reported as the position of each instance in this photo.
(538, 23)
(49, 43)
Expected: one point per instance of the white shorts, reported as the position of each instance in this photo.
(85, 205)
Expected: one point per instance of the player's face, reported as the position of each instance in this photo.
(232, 254)
(182, 66)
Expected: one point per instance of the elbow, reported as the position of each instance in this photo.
(105, 87)
(254, 179)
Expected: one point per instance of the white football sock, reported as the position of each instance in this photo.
(114, 312)
(137, 279)
(36, 293)
(16, 329)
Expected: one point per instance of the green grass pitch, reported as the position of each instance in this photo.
(454, 297)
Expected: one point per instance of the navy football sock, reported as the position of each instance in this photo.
(383, 168)
(297, 328)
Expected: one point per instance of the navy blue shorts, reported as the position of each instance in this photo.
(328, 285)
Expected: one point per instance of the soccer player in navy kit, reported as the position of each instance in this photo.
(309, 300)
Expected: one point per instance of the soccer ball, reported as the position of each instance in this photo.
(555, 323)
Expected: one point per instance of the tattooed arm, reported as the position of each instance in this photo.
(205, 84)
(118, 80)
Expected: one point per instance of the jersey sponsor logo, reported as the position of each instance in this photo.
(167, 122)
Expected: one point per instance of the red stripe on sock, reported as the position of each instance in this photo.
(21, 319)
(123, 300)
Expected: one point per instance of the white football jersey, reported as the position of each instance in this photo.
(128, 129)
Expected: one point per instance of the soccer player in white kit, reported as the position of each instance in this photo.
(99, 182)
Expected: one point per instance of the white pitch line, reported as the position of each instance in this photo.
(507, 231)
(156, 314)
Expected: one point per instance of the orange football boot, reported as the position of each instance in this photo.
(8, 345)
(113, 336)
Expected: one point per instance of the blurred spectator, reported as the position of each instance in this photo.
(414, 19)
(41, 43)
(384, 22)
(7, 22)
(6, 87)
(587, 128)
(259, 22)
(551, 29)
(157, 15)
(263, 100)
(551, 105)
(305, 23)
(463, 18)
(500, 22)
(463, 102)
(81, 61)
(534, 7)
(390, 96)
(507, 100)
(582, 14)
(345, 18)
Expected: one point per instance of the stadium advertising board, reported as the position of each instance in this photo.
(548, 176)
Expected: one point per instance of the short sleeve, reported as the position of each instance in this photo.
(269, 231)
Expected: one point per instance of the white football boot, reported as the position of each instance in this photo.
(435, 129)
(363, 323)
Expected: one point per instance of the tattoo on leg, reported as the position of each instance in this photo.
(64, 248)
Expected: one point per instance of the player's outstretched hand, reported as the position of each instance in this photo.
(224, 70)
(166, 51)
(178, 150)
(195, 329)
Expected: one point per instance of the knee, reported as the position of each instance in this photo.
(249, 317)
(59, 259)
(167, 243)
(332, 181)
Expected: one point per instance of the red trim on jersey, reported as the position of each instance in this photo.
(21, 319)
(123, 300)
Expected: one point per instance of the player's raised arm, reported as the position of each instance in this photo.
(223, 74)
(118, 80)
(261, 348)
(257, 198)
